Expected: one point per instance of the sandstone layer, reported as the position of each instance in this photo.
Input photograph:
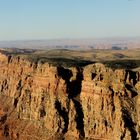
(45, 102)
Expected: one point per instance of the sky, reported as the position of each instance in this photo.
(64, 19)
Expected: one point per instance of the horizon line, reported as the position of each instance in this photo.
(82, 38)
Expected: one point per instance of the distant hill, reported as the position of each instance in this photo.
(74, 44)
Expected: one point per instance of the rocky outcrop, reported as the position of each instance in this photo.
(44, 102)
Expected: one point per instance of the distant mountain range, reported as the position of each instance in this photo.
(74, 44)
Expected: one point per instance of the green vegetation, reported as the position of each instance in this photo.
(123, 64)
(128, 59)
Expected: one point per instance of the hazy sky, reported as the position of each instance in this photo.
(49, 19)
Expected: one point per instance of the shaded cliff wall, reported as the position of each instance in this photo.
(41, 101)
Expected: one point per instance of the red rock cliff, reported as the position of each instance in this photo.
(44, 102)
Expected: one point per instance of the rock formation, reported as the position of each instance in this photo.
(45, 102)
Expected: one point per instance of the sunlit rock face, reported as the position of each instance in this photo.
(44, 102)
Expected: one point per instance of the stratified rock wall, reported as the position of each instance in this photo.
(110, 103)
(44, 102)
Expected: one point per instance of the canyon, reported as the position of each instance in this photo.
(40, 101)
